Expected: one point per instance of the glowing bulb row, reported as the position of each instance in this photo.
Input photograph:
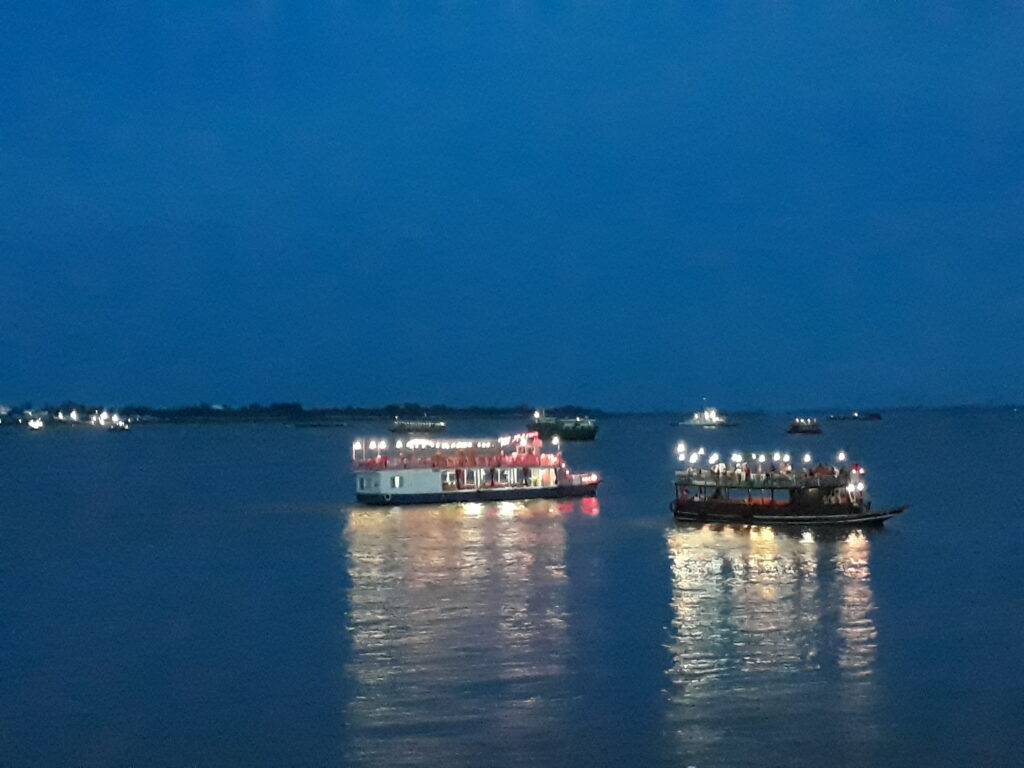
(737, 458)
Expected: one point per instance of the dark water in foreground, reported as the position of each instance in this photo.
(207, 596)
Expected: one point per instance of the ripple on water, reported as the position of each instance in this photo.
(771, 633)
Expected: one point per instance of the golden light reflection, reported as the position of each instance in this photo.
(458, 624)
(769, 629)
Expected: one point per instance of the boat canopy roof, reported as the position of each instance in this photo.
(762, 469)
(383, 446)
(707, 478)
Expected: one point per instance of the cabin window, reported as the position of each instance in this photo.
(468, 478)
(448, 480)
(362, 483)
(396, 481)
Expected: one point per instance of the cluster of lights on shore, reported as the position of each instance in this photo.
(102, 418)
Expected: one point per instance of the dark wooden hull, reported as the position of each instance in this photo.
(479, 495)
(780, 514)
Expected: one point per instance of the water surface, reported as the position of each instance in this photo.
(210, 595)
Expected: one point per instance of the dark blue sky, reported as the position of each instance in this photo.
(626, 204)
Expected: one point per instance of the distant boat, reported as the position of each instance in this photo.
(857, 416)
(408, 426)
(804, 426)
(707, 417)
(576, 428)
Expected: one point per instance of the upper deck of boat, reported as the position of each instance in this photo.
(710, 478)
(520, 450)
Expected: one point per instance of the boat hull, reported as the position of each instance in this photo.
(415, 428)
(703, 426)
(567, 431)
(767, 514)
(479, 495)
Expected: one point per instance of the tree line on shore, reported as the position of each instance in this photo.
(296, 412)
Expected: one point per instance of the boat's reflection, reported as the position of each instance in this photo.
(458, 626)
(773, 642)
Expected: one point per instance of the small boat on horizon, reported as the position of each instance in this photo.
(708, 418)
(417, 427)
(804, 426)
(575, 428)
(750, 489)
(424, 470)
(856, 416)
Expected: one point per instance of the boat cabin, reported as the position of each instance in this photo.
(428, 469)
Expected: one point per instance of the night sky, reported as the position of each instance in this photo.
(629, 205)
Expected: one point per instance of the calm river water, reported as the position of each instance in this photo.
(210, 596)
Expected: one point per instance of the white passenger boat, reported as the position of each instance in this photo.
(707, 417)
(423, 470)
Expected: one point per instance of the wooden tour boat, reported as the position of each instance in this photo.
(767, 489)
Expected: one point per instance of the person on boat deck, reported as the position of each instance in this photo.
(746, 471)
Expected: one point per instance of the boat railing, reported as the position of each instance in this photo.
(455, 462)
(712, 479)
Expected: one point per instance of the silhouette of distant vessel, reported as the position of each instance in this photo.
(707, 417)
(417, 427)
(577, 428)
(804, 426)
(856, 416)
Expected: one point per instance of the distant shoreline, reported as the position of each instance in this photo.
(335, 416)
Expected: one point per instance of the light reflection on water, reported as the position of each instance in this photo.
(773, 646)
(458, 626)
